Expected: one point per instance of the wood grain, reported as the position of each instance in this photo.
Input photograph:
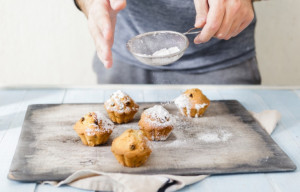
(49, 149)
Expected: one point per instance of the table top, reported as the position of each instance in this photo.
(14, 102)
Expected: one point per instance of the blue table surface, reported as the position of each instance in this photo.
(14, 102)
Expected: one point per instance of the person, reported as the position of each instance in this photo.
(223, 53)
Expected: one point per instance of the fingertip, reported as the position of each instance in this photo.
(118, 5)
(107, 64)
(197, 40)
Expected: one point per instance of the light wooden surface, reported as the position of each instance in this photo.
(13, 104)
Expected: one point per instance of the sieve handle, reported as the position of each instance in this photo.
(190, 31)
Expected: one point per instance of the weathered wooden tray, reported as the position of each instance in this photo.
(227, 139)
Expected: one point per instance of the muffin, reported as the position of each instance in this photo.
(192, 103)
(156, 123)
(131, 148)
(120, 107)
(94, 129)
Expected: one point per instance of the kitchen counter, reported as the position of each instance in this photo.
(14, 102)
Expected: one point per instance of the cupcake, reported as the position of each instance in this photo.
(131, 148)
(156, 123)
(120, 107)
(94, 129)
(192, 103)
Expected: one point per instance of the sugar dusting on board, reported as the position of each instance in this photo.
(222, 136)
(192, 143)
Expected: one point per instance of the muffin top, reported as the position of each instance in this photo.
(157, 117)
(192, 98)
(130, 143)
(120, 102)
(93, 123)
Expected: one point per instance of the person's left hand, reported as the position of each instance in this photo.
(222, 19)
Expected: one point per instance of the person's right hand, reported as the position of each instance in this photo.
(101, 15)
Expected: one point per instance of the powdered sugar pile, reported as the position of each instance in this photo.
(166, 51)
(117, 102)
(183, 102)
(159, 116)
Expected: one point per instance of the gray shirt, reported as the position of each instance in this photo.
(142, 16)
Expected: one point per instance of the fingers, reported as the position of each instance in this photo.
(229, 22)
(201, 7)
(241, 28)
(225, 19)
(235, 26)
(213, 22)
(102, 22)
(241, 20)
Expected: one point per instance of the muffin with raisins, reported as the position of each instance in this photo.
(131, 148)
(94, 129)
(192, 103)
(120, 107)
(156, 123)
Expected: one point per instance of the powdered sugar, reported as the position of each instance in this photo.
(117, 102)
(159, 116)
(163, 137)
(183, 101)
(174, 144)
(166, 51)
(200, 106)
(215, 137)
(104, 122)
(90, 132)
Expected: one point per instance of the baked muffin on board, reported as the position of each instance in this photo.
(131, 148)
(156, 123)
(120, 107)
(94, 129)
(192, 103)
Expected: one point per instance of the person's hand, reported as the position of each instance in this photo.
(222, 19)
(101, 15)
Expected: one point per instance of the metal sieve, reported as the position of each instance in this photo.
(144, 45)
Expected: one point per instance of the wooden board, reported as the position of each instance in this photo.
(226, 139)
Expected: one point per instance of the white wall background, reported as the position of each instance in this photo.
(47, 42)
